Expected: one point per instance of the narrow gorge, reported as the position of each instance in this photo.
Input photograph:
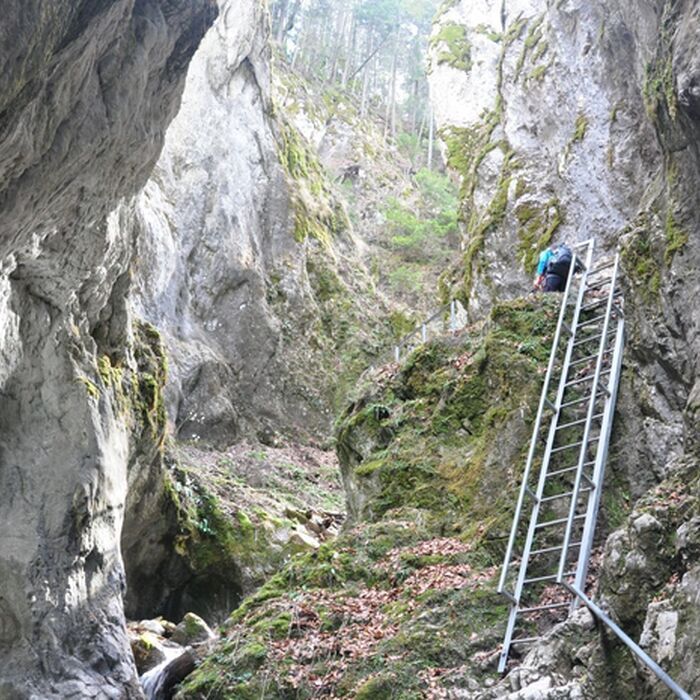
(233, 463)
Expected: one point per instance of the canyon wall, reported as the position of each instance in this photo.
(87, 90)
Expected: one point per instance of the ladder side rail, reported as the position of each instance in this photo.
(515, 598)
(631, 644)
(601, 460)
(540, 412)
(524, 562)
(587, 428)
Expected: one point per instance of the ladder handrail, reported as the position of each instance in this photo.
(421, 327)
(631, 644)
(601, 459)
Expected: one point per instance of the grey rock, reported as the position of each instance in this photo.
(87, 90)
(630, 179)
(688, 540)
(218, 268)
(192, 630)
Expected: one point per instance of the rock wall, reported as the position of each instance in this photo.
(87, 89)
(240, 242)
(590, 127)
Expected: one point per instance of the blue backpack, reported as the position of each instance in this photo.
(560, 262)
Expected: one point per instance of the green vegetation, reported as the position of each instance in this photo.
(134, 382)
(318, 213)
(580, 128)
(578, 135)
(480, 224)
(534, 45)
(412, 439)
(676, 236)
(422, 233)
(642, 260)
(659, 90)
(453, 46)
(207, 537)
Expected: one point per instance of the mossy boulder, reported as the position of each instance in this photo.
(445, 432)
(192, 630)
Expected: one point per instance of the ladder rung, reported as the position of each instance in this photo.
(604, 266)
(570, 469)
(591, 321)
(576, 401)
(551, 606)
(567, 447)
(510, 596)
(550, 577)
(586, 378)
(531, 493)
(585, 489)
(599, 284)
(578, 422)
(588, 358)
(525, 640)
(598, 336)
(558, 521)
(547, 550)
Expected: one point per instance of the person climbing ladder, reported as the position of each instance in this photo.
(553, 268)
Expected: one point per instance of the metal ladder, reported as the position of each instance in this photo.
(555, 517)
(552, 534)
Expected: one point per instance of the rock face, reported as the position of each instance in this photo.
(551, 131)
(226, 265)
(589, 126)
(87, 89)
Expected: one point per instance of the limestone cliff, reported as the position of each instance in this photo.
(87, 90)
(245, 256)
(589, 127)
(559, 119)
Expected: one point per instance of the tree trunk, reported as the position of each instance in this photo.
(279, 19)
(291, 18)
(351, 50)
(392, 89)
(365, 81)
(431, 137)
(340, 35)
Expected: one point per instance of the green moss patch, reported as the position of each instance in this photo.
(318, 214)
(453, 46)
(536, 227)
(424, 440)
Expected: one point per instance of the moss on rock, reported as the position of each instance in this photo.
(453, 46)
(537, 224)
(318, 214)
